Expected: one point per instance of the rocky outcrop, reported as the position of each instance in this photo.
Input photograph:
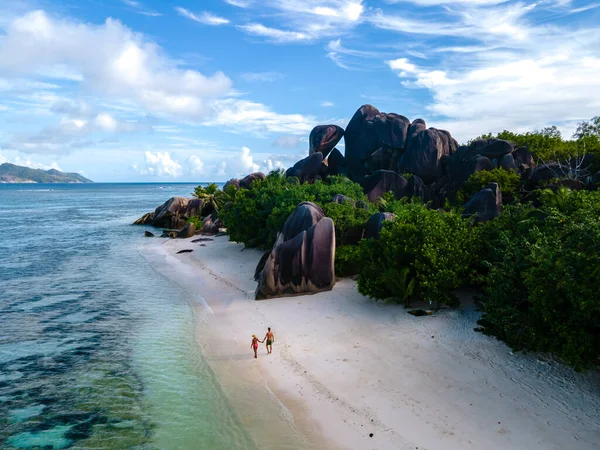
(486, 204)
(361, 140)
(391, 129)
(323, 138)
(172, 213)
(188, 231)
(210, 225)
(383, 181)
(302, 260)
(247, 181)
(307, 169)
(146, 219)
(341, 199)
(336, 163)
(424, 153)
(375, 224)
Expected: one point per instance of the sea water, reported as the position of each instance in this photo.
(97, 350)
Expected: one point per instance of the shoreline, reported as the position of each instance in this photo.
(344, 366)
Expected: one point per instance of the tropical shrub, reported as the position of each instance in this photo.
(422, 253)
(543, 281)
(196, 220)
(347, 260)
(257, 214)
(508, 181)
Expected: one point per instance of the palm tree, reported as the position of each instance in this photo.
(212, 197)
(401, 283)
(556, 198)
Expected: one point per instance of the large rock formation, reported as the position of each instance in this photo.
(172, 213)
(424, 153)
(486, 204)
(307, 169)
(375, 224)
(302, 260)
(247, 181)
(383, 181)
(361, 140)
(323, 138)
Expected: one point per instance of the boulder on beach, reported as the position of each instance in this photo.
(391, 129)
(188, 231)
(485, 204)
(171, 214)
(146, 219)
(301, 265)
(148, 234)
(210, 225)
(302, 260)
(375, 224)
(323, 138)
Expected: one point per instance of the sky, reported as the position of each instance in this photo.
(149, 90)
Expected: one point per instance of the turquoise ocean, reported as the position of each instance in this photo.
(97, 349)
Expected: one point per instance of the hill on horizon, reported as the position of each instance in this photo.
(11, 173)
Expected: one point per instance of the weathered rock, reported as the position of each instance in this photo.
(146, 219)
(416, 188)
(415, 128)
(375, 223)
(361, 139)
(210, 225)
(186, 250)
(492, 148)
(523, 158)
(391, 129)
(301, 219)
(188, 231)
(233, 182)
(574, 185)
(423, 155)
(384, 158)
(247, 181)
(194, 208)
(340, 198)
(507, 162)
(308, 168)
(301, 265)
(171, 214)
(486, 204)
(203, 240)
(323, 138)
(383, 181)
(148, 234)
(336, 163)
(548, 171)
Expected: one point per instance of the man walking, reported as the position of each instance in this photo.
(270, 338)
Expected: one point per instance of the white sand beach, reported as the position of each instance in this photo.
(345, 367)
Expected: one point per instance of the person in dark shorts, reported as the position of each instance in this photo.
(270, 338)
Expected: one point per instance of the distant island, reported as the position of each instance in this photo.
(11, 173)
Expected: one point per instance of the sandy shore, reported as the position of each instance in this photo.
(344, 367)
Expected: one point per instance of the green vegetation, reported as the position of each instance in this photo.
(543, 277)
(538, 268)
(422, 254)
(258, 213)
(508, 180)
(212, 196)
(549, 145)
(12, 173)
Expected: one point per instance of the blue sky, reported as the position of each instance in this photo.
(148, 90)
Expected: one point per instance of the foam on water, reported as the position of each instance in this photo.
(96, 349)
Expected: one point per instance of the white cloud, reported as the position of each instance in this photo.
(140, 9)
(124, 64)
(274, 34)
(160, 165)
(306, 20)
(327, 104)
(243, 115)
(205, 18)
(35, 164)
(287, 141)
(261, 77)
(239, 3)
(238, 165)
(195, 165)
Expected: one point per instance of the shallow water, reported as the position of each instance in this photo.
(96, 349)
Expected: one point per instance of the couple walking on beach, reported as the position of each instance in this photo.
(269, 337)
